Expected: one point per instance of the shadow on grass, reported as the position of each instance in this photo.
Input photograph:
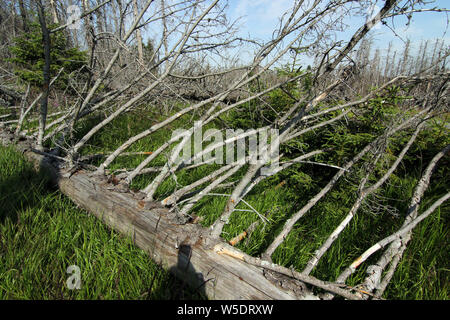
(20, 189)
(186, 271)
(41, 233)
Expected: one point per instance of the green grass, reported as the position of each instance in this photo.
(422, 274)
(112, 265)
(42, 233)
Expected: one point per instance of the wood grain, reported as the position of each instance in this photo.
(185, 250)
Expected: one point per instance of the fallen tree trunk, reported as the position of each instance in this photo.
(183, 249)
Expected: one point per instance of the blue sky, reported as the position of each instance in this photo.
(260, 18)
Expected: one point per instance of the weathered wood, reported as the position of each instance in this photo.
(184, 249)
(11, 93)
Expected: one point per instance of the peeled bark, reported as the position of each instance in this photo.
(185, 250)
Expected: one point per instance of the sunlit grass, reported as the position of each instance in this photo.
(42, 233)
(114, 262)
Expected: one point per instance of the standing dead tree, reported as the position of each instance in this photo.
(199, 29)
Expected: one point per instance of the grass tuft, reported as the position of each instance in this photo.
(42, 233)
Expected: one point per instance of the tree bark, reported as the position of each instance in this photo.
(46, 73)
(54, 12)
(23, 14)
(138, 34)
(183, 249)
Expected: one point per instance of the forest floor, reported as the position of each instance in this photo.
(42, 233)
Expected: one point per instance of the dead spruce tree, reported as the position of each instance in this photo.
(175, 70)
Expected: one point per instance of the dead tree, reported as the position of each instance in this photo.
(197, 28)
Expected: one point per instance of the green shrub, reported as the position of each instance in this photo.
(28, 56)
